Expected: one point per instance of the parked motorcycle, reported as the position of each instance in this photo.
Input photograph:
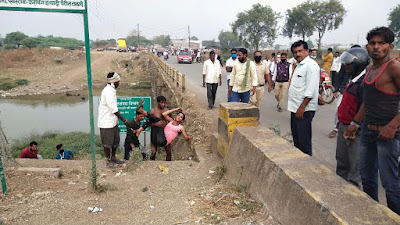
(325, 88)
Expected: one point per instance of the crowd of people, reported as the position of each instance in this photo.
(366, 120)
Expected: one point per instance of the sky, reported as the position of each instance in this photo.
(206, 18)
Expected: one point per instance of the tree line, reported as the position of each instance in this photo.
(252, 28)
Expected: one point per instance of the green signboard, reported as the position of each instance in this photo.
(127, 107)
(70, 6)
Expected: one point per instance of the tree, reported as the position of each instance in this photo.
(210, 43)
(228, 40)
(310, 44)
(98, 43)
(30, 42)
(132, 39)
(163, 40)
(112, 41)
(328, 15)
(194, 38)
(14, 39)
(257, 24)
(394, 21)
(299, 21)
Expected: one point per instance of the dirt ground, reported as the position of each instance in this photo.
(190, 193)
(56, 71)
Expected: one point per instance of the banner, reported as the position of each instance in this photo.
(48, 5)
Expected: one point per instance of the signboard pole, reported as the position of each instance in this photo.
(93, 178)
(3, 178)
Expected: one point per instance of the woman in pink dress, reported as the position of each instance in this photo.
(173, 127)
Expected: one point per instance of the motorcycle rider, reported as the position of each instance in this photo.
(165, 54)
(348, 149)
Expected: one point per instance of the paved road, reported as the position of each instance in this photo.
(323, 146)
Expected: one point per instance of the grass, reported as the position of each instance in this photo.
(220, 172)
(102, 188)
(8, 83)
(78, 142)
(277, 130)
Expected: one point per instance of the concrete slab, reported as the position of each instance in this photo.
(294, 187)
(46, 171)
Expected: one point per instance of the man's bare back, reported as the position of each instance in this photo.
(157, 112)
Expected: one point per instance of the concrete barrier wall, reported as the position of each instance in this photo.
(231, 115)
(293, 186)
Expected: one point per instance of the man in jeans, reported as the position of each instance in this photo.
(303, 96)
(243, 78)
(380, 139)
(281, 78)
(211, 76)
(348, 150)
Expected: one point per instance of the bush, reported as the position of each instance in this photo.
(5, 86)
(78, 142)
(21, 82)
(58, 59)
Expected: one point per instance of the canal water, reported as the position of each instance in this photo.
(28, 115)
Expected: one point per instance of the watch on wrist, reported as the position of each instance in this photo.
(354, 123)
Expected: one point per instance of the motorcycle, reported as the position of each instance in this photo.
(325, 88)
(165, 57)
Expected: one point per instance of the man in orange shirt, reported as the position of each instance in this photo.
(327, 61)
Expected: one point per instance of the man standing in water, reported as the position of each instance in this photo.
(380, 138)
(108, 120)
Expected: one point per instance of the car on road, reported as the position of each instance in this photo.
(184, 57)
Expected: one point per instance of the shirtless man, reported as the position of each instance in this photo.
(157, 129)
(380, 117)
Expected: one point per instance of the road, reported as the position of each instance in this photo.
(323, 146)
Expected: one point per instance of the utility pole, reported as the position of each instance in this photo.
(189, 36)
(138, 44)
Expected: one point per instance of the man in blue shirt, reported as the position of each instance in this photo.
(64, 154)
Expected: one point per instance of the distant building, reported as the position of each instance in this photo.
(184, 44)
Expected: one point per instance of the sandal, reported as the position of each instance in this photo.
(141, 102)
(332, 134)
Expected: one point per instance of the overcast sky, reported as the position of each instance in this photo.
(206, 18)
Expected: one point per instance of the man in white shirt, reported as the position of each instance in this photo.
(211, 76)
(229, 66)
(108, 120)
(303, 96)
(336, 65)
(243, 81)
(273, 66)
(267, 62)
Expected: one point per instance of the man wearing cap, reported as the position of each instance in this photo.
(108, 120)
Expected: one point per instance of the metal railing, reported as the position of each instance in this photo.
(178, 77)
